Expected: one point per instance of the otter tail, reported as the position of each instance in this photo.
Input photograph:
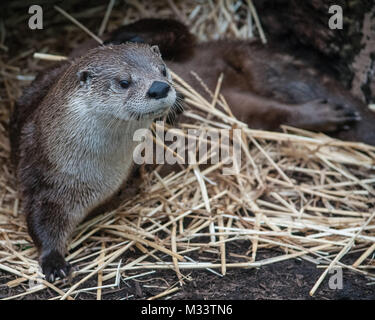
(175, 41)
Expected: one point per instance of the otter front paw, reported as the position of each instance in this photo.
(54, 265)
(320, 115)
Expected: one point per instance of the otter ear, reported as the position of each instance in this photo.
(84, 77)
(156, 50)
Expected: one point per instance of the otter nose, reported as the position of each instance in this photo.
(158, 90)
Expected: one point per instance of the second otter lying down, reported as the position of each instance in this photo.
(264, 87)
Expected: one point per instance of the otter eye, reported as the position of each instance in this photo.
(164, 71)
(124, 84)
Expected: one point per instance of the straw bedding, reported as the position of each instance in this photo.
(309, 196)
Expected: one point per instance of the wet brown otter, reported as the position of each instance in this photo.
(264, 87)
(72, 138)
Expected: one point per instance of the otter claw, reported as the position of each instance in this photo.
(62, 273)
(51, 278)
(54, 265)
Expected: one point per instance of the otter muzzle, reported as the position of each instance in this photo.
(158, 90)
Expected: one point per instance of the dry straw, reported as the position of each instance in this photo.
(302, 194)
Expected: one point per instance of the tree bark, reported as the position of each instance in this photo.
(302, 28)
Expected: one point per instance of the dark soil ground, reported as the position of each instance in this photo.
(291, 279)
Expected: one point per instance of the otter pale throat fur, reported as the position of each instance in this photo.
(73, 143)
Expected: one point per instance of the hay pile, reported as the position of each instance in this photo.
(302, 193)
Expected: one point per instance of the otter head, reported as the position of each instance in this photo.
(125, 82)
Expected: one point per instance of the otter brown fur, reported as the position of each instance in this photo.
(72, 138)
(264, 86)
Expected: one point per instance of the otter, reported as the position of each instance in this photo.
(72, 138)
(264, 86)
